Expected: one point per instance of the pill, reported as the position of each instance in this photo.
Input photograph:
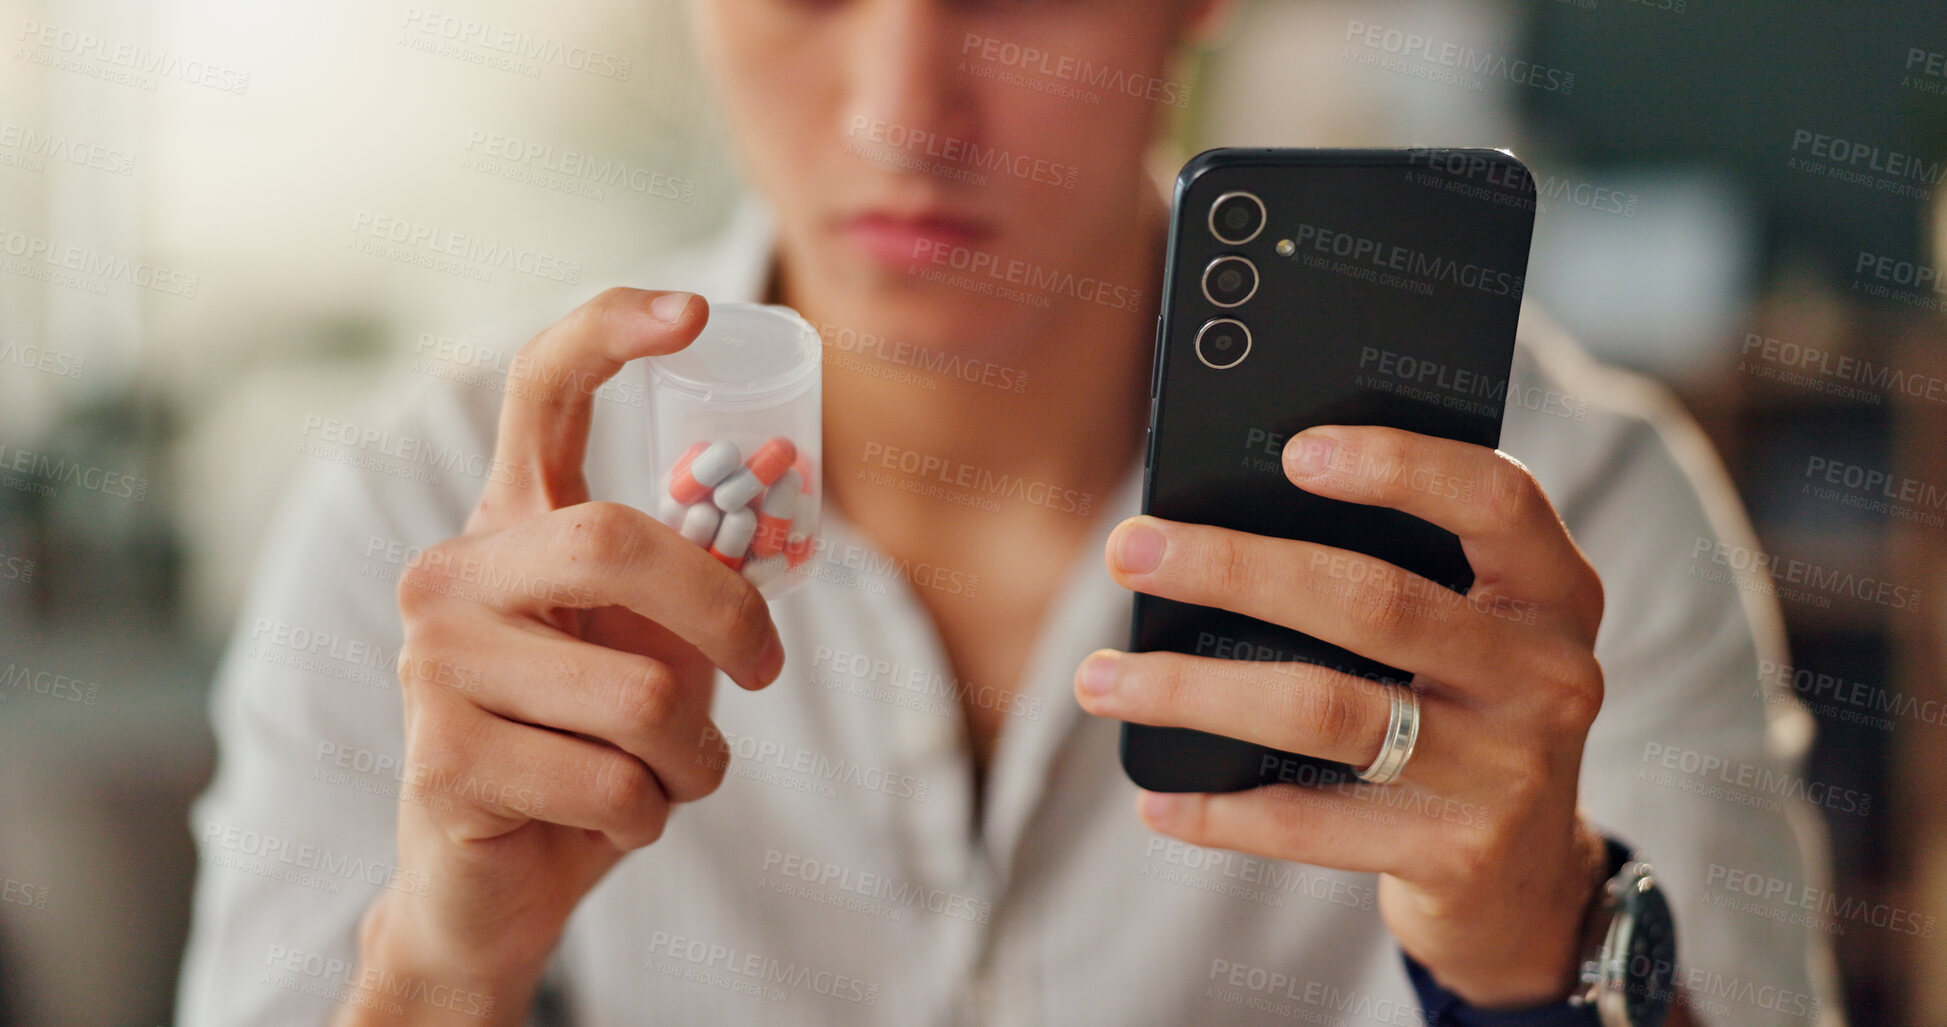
(691, 480)
(676, 474)
(774, 515)
(733, 537)
(683, 462)
(763, 570)
(771, 459)
(797, 548)
(737, 491)
(699, 523)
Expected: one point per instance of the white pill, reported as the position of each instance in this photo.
(715, 464)
(733, 535)
(783, 496)
(737, 491)
(700, 522)
(691, 482)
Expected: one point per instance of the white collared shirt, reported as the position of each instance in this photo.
(839, 875)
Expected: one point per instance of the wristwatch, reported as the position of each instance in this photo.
(1629, 947)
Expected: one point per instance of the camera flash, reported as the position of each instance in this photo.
(1285, 248)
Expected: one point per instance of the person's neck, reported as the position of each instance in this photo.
(1075, 424)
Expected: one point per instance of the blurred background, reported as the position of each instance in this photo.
(1740, 199)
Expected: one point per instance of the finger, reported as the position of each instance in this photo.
(1351, 600)
(1339, 826)
(550, 396)
(607, 554)
(530, 673)
(483, 776)
(617, 627)
(1512, 536)
(1296, 707)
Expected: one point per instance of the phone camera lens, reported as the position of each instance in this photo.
(1236, 218)
(1223, 343)
(1229, 281)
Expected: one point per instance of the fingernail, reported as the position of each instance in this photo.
(1099, 673)
(770, 662)
(1161, 807)
(1309, 454)
(670, 306)
(1139, 549)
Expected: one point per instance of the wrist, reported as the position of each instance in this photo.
(407, 974)
(1535, 960)
(1626, 970)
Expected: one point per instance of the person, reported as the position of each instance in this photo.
(909, 807)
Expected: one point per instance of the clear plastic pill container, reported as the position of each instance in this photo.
(736, 422)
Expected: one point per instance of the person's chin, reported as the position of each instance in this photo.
(942, 319)
(921, 303)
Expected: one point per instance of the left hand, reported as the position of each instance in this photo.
(1487, 870)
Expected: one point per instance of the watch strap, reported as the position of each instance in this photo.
(1443, 1008)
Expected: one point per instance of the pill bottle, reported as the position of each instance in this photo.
(736, 426)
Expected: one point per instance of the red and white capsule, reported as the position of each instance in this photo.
(733, 537)
(774, 514)
(772, 459)
(700, 521)
(702, 469)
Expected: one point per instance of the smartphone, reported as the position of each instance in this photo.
(1308, 287)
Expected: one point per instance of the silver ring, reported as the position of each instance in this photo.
(1402, 733)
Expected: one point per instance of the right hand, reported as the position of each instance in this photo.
(582, 638)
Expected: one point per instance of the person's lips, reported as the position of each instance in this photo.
(901, 241)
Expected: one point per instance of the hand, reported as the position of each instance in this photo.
(1486, 866)
(582, 638)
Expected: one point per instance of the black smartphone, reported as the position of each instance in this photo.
(1310, 287)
